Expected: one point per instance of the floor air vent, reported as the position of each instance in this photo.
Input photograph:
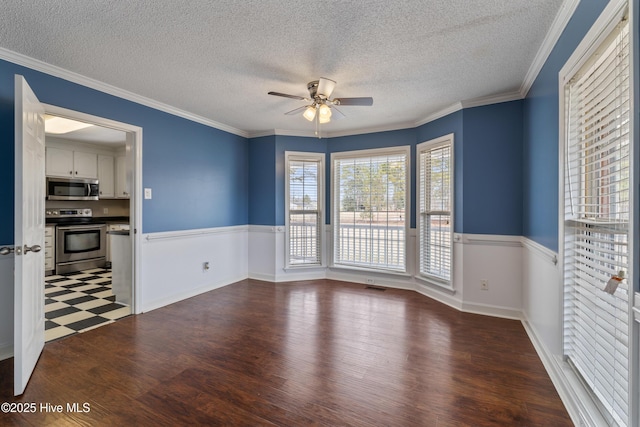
(375, 288)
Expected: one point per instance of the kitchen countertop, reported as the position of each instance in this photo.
(112, 219)
(97, 219)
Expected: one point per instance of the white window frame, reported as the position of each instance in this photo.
(590, 409)
(310, 157)
(335, 192)
(421, 148)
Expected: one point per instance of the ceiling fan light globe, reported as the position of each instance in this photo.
(324, 119)
(309, 113)
(324, 111)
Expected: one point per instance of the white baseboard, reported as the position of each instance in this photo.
(170, 299)
(173, 263)
(579, 404)
(492, 310)
(466, 307)
(262, 276)
(6, 350)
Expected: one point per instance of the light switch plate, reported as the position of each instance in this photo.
(147, 193)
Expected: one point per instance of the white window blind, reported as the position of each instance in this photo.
(435, 197)
(370, 209)
(304, 211)
(596, 228)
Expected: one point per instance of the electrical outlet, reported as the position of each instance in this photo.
(484, 285)
(205, 265)
(105, 210)
(370, 281)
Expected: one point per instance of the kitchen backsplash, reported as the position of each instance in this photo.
(101, 208)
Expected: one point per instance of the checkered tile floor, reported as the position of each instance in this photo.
(77, 302)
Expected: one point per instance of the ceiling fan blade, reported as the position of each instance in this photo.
(325, 87)
(296, 111)
(366, 101)
(337, 114)
(287, 96)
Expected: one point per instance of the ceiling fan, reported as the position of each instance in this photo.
(322, 105)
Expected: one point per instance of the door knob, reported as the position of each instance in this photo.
(34, 248)
(6, 250)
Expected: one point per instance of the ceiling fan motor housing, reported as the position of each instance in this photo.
(313, 89)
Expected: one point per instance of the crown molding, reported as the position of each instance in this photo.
(260, 134)
(385, 128)
(439, 114)
(557, 27)
(492, 99)
(284, 132)
(37, 65)
(303, 133)
(328, 134)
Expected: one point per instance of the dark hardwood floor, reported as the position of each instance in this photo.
(296, 354)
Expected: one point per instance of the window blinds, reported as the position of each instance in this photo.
(596, 226)
(435, 226)
(304, 212)
(370, 211)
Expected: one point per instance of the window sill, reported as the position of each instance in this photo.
(292, 268)
(369, 270)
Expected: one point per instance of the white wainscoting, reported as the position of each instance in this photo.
(262, 254)
(542, 305)
(6, 306)
(497, 259)
(542, 299)
(267, 257)
(173, 263)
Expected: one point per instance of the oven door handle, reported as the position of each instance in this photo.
(80, 227)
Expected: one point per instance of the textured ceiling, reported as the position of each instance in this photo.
(218, 59)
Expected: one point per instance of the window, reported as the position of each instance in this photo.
(596, 223)
(435, 195)
(370, 190)
(304, 195)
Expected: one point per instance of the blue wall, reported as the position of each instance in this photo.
(262, 180)
(492, 173)
(198, 173)
(488, 141)
(541, 127)
(267, 174)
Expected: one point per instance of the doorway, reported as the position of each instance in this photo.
(86, 294)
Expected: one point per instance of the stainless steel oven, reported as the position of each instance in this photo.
(80, 243)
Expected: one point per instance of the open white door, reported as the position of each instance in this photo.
(29, 234)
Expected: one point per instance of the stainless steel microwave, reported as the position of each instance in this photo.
(72, 189)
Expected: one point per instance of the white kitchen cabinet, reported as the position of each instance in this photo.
(59, 162)
(49, 249)
(106, 176)
(122, 187)
(69, 163)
